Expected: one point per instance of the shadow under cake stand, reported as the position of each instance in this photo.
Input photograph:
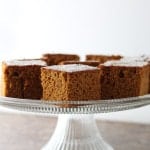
(76, 128)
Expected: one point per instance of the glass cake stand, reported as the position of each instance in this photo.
(76, 128)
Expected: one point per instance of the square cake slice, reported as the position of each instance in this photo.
(102, 58)
(121, 79)
(89, 63)
(70, 82)
(22, 78)
(55, 59)
(145, 58)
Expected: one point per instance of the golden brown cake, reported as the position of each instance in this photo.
(121, 79)
(147, 59)
(102, 58)
(70, 82)
(55, 59)
(143, 58)
(89, 63)
(21, 78)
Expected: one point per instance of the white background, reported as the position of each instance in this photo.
(31, 27)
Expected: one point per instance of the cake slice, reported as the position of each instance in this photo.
(55, 59)
(21, 78)
(102, 58)
(143, 58)
(121, 79)
(147, 59)
(70, 82)
(89, 63)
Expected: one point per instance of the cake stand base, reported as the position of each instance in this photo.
(76, 132)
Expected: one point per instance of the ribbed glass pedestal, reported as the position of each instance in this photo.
(76, 132)
(76, 128)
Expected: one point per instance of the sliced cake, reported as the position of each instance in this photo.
(102, 58)
(21, 78)
(55, 59)
(121, 79)
(70, 82)
(148, 60)
(89, 63)
(143, 58)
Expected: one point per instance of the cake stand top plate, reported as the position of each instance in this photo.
(74, 107)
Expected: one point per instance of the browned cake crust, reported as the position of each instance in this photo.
(149, 75)
(102, 58)
(62, 85)
(54, 59)
(123, 81)
(143, 58)
(22, 81)
(149, 78)
(147, 59)
(89, 63)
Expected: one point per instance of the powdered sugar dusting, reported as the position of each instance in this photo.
(71, 68)
(25, 62)
(146, 58)
(128, 59)
(126, 63)
(139, 58)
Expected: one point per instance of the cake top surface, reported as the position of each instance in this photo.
(71, 68)
(25, 62)
(59, 54)
(146, 58)
(139, 58)
(104, 55)
(126, 63)
(87, 61)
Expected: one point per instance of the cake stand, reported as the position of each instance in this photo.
(76, 128)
